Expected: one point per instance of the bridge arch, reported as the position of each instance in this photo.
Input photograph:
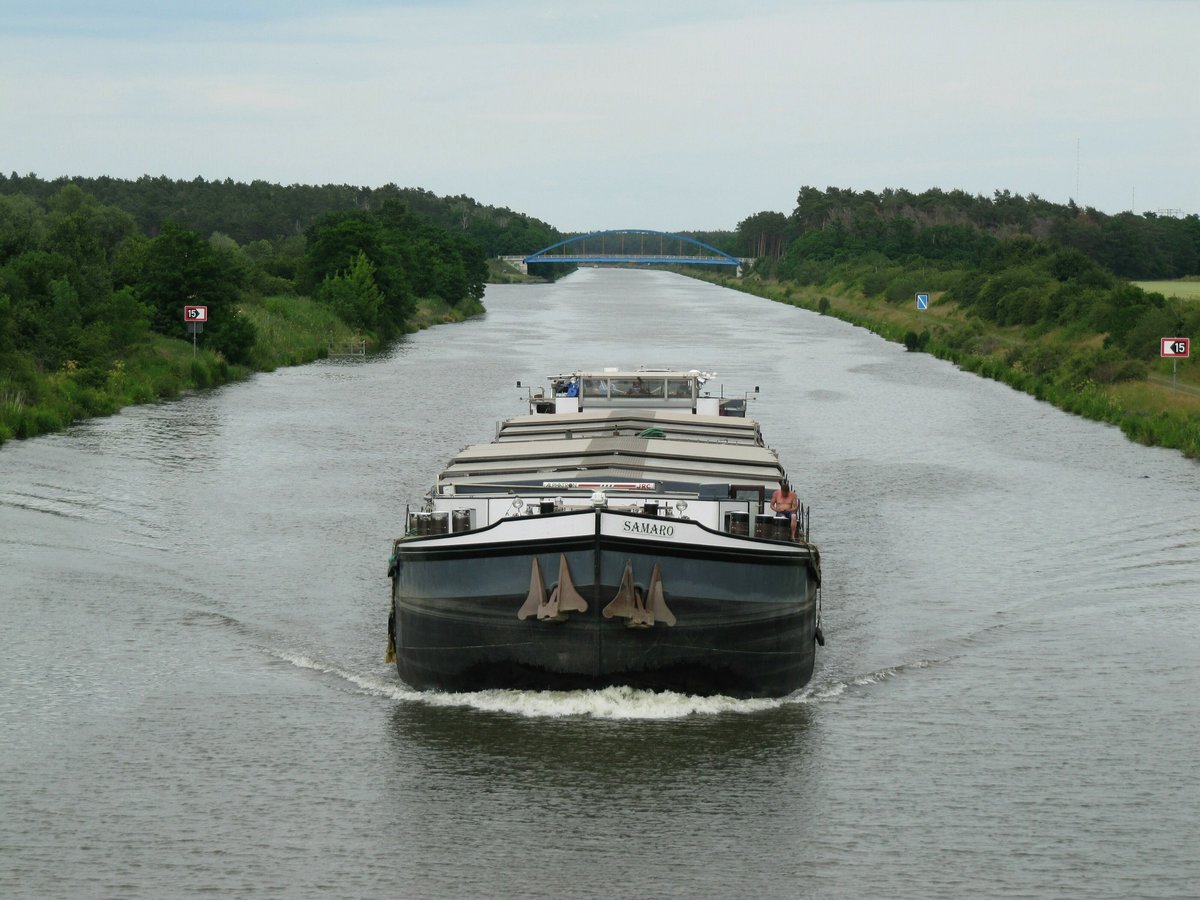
(705, 254)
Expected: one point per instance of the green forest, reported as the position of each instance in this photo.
(94, 275)
(986, 256)
(957, 227)
(262, 211)
(1028, 292)
(95, 272)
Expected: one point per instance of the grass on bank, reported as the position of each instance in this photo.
(162, 368)
(436, 311)
(502, 272)
(1064, 366)
(290, 331)
(293, 331)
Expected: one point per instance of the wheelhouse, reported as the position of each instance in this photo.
(596, 390)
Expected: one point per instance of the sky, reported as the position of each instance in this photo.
(625, 114)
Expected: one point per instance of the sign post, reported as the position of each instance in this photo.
(1173, 348)
(195, 316)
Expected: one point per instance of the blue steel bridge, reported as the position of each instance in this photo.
(631, 246)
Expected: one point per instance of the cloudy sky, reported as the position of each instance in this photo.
(616, 113)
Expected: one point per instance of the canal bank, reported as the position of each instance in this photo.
(1068, 369)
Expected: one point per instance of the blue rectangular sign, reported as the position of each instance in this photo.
(922, 301)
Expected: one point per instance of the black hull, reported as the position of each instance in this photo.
(744, 619)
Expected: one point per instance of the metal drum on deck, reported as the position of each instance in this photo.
(764, 526)
(461, 519)
(737, 523)
(439, 523)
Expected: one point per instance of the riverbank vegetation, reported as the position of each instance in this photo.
(503, 272)
(1038, 313)
(263, 211)
(95, 273)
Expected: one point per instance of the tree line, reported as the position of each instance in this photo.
(1030, 293)
(264, 211)
(955, 226)
(94, 272)
(1008, 259)
(370, 267)
(87, 285)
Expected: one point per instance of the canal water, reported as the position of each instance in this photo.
(193, 601)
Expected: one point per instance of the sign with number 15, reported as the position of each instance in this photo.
(1175, 347)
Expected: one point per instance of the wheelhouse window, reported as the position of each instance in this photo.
(595, 387)
(679, 387)
(637, 386)
(652, 387)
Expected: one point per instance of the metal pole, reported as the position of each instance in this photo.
(1174, 369)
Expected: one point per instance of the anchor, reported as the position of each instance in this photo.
(640, 611)
(537, 593)
(656, 601)
(625, 603)
(563, 599)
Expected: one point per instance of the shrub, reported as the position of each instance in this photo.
(199, 374)
(234, 338)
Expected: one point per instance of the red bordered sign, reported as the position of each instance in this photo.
(195, 313)
(1175, 347)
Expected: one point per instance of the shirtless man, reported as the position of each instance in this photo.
(785, 503)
